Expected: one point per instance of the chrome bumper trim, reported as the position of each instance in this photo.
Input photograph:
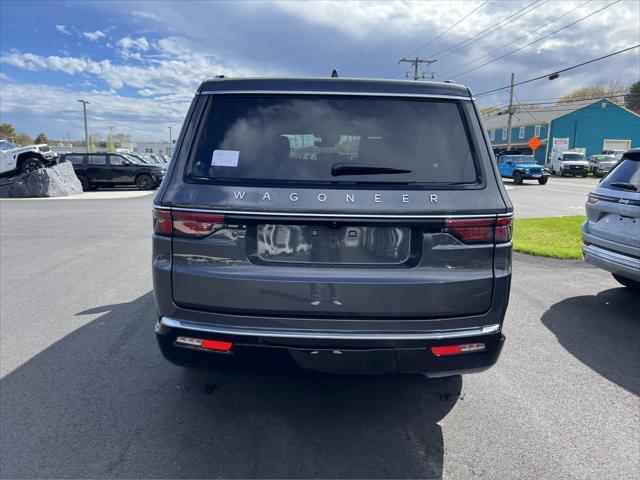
(399, 216)
(325, 335)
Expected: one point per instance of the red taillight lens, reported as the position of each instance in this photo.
(162, 224)
(186, 224)
(198, 225)
(457, 349)
(504, 229)
(479, 230)
(471, 230)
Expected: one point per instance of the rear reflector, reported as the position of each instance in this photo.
(457, 349)
(216, 345)
(479, 230)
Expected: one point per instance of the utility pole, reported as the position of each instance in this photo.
(416, 64)
(513, 77)
(170, 144)
(86, 130)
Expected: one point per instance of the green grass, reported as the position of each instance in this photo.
(556, 237)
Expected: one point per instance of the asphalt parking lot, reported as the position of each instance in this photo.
(560, 196)
(84, 391)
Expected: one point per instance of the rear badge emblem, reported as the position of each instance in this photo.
(351, 197)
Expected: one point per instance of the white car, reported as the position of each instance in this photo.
(570, 163)
(24, 159)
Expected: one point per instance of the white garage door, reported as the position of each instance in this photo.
(616, 145)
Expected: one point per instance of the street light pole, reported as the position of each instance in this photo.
(170, 144)
(86, 130)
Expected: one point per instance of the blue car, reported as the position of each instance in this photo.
(520, 168)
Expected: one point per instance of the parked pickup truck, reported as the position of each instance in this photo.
(111, 169)
(520, 168)
(601, 165)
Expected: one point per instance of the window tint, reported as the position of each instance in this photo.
(300, 138)
(75, 159)
(97, 159)
(116, 160)
(626, 172)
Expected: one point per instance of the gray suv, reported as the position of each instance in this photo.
(611, 232)
(332, 225)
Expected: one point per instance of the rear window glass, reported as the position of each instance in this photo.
(628, 172)
(311, 139)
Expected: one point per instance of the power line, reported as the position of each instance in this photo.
(502, 23)
(519, 105)
(559, 100)
(415, 62)
(560, 71)
(537, 40)
(540, 100)
(448, 29)
(517, 39)
(560, 108)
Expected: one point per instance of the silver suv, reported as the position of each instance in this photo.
(611, 232)
(336, 225)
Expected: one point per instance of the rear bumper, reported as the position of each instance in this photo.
(611, 261)
(343, 352)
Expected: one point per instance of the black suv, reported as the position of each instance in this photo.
(336, 225)
(111, 169)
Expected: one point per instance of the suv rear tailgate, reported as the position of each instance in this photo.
(362, 269)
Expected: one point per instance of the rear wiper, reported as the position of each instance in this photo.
(624, 185)
(339, 169)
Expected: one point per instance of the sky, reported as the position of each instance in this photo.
(138, 63)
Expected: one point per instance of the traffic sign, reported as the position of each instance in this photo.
(534, 142)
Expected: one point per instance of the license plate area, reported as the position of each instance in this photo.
(335, 245)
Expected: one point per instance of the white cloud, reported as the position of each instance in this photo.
(143, 119)
(131, 48)
(63, 29)
(129, 43)
(172, 66)
(145, 15)
(93, 36)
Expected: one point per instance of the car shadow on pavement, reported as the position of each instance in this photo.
(603, 332)
(102, 402)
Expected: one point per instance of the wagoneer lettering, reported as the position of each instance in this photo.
(363, 230)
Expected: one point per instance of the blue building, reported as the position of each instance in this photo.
(594, 125)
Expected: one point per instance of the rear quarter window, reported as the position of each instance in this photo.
(627, 172)
(284, 139)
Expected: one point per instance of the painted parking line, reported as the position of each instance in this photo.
(99, 195)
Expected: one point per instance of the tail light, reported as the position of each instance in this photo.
(458, 349)
(480, 230)
(216, 345)
(186, 224)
